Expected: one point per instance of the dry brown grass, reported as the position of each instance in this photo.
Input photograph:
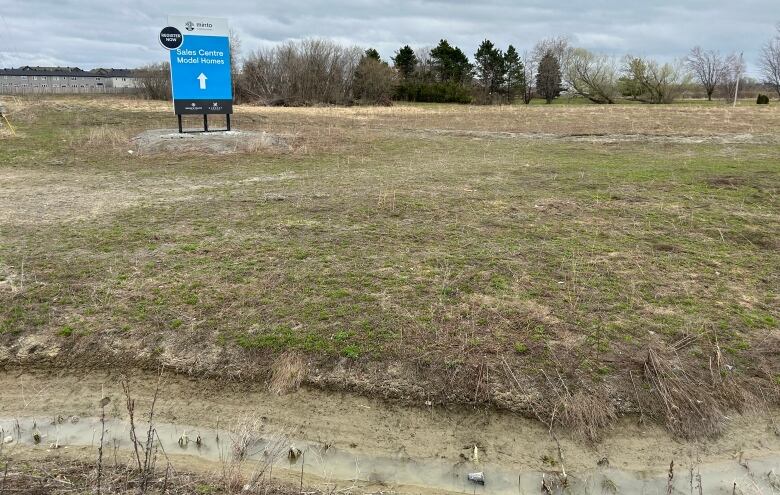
(692, 402)
(401, 250)
(104, 137)
(55, 474)
(287, 373)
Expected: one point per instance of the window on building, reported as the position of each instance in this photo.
(43, 78)
(24, 78)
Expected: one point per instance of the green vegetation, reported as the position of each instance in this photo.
(65, 331)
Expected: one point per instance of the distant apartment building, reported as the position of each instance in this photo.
(37, 80)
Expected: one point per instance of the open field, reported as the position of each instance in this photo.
(571, 262)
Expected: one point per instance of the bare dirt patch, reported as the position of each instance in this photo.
(604, 138)
(218, 142)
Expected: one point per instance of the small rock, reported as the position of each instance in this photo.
(8, 439)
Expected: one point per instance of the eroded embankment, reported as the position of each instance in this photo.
(348, 439)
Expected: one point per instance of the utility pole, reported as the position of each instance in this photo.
(739, 76)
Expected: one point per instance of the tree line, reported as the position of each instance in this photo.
(317, 71)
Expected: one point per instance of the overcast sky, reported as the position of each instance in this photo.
(116, 33)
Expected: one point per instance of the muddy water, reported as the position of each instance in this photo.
(346, 439)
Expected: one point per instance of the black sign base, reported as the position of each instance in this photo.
(202, 107)
(205, 123)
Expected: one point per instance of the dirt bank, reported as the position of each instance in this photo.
(429, 447)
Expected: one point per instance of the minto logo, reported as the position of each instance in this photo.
(189, 26)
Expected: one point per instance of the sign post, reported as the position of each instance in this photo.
(200, 67)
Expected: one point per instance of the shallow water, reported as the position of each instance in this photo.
(330, 464)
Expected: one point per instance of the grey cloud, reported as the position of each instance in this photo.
(91, 33)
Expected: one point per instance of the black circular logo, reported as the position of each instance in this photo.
(171, 38)
(189, 26)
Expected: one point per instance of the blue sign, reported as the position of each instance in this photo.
(200, 65)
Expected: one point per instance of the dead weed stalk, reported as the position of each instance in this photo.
(145, 469)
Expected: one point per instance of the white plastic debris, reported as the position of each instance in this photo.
(478, 478)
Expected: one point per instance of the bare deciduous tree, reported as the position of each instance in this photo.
(769, 62)
(155, 81)
(235, 54)
(591, 76)
(708, 66)
(301, 73)
(424, 69)
(733, 69)
(558, 46)
(529, 66)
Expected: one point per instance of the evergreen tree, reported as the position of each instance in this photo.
(450, 63)
(405, 61)
(490, 68)
(372, 53)
(548, 77)
(514, 80)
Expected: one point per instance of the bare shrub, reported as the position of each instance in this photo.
(155, 81)
(374, 82)
(246, 442)
(241, 437)
(308, 72)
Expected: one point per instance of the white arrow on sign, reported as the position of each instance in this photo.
(202, 78)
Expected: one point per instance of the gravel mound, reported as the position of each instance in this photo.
(218, 142)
